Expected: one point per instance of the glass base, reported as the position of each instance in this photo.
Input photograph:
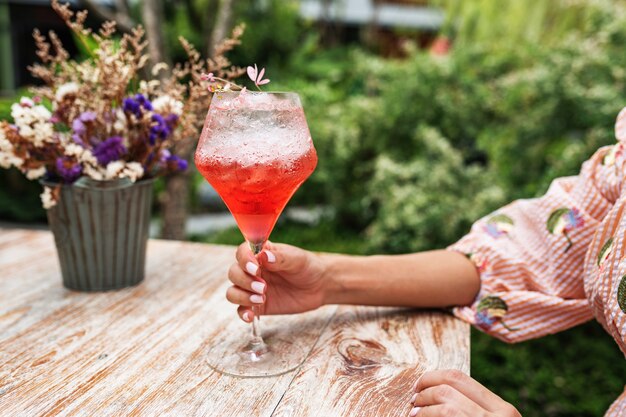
(276, 355)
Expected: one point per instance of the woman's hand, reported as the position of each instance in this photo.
(282, 279)
(451, 393)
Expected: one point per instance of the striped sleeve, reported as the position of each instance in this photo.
(618, 408)
(530, 255)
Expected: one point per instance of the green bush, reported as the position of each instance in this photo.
(503, 123)
(425, 202)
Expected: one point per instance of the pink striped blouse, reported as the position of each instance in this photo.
(550, 263)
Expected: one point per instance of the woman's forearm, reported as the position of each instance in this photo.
(438, 278)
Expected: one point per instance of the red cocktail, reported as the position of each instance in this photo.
(255, 150)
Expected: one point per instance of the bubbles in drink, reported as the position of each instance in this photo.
(256, 150)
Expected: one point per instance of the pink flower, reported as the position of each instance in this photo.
(208, 77)
(257, 76)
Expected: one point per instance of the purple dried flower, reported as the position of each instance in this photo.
(145, 103)
(176, 163)
(131, 106)
(68, 169)
(135, 104)
(77, 139)
(109, 150)
(161, 129)
(165, 155)
(88, 116)
(182, 164)
(171, 120)
(79, 125)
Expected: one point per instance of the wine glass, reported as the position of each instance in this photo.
(256, 150)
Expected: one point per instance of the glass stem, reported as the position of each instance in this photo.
(256, 328)
(257, 339)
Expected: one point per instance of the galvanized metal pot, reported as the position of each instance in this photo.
(101, 231)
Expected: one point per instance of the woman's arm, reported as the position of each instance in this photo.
(439, 278)
(285, 279)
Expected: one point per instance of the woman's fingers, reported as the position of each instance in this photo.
(244, 281)
(445, 394)
(244, 298)
(462, 383)
(246, 259)
(278, 257)
(440, 410)
(245, 313)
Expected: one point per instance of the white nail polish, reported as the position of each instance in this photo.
(413, 398)
(258, 287)
(251, 268)
(256, 298)
(414, 411)
(246, 316)
(271, 258)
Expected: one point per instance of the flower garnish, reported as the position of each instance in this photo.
(257, 76)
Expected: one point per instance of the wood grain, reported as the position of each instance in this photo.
(141, 351)
(369, 358)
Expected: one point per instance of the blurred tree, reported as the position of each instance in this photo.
(222, 25)
(152, 16)
(121, 13)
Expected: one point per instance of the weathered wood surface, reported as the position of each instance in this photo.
(140, 351)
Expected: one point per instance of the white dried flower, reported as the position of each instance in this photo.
(161, 66)
(88, 157)
(120, 122)
(7, 160)
(26, 102)
(94, 172)
(7, 155)
(75, 150)
(47, 198)
(33, 174)
(133, 171)
(66, 89)
(114, 169)
(32, 122)
(166, 104)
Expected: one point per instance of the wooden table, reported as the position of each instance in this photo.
(140, 351)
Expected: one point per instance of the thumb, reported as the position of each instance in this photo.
(277, 257)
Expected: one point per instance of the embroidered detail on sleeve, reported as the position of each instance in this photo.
(605, 252)
(612, 154)
(491, 309)
(562, 221)
(480, 262)
(498, 225)
(621, 294)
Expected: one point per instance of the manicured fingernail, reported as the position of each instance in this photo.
(256, 299)
(258, 287)
(414, 411)
(251, 268)
(246, 316)
(415, 385)
(271, 258)
(413, 398)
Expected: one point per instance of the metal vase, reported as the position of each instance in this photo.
(101, 230)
